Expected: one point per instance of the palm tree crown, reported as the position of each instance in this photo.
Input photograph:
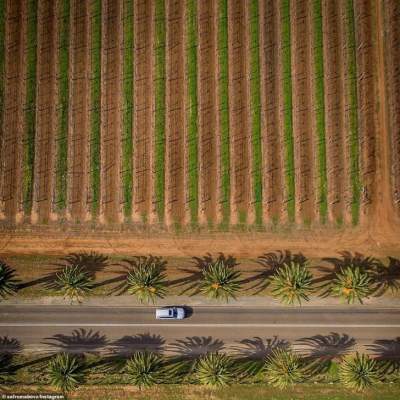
(8, 283)
(292, 283)
(283, 368)
(74, 283)
(146, 280)
(351, 284)
(215, 369)
(145, 369)
(358, 372)
(65, 372)
(220, 281)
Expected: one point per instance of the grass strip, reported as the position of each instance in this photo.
(320, 110)
(192, 117)
(160, 107)
(127, 140)
(95, 115)
(255, 104)
(352, 109)
(30, 107)
(62, 139)
(287, 109)
(224, 109)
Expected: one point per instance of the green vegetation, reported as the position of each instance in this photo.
(146, 279)
(255, 103)
(73, 282)
(65, 372)
(127, 123)
(351, 284)
(8, 282)
(30, 108)
(292, 283)
(159, 88)
(220, 281)
(145, 369)
(353, 117)
(215, 369)
(283, 368)
(95, 155)
(287, 105)
(359, 372)
(224, 109)
(62, 139)
(192, 118)
(320, 110)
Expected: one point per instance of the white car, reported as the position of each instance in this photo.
(170, 313)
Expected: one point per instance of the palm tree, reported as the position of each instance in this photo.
(215, 369)
(74, 282)
(292, 283)
(351, 284)
(65, 372)
(358, 372)
(8, 283)
(145, 369)
(146, 279)
(283, 368)
(220, 281)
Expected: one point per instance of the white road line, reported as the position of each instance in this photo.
(222, 325)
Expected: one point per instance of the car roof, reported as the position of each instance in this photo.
(164, 312)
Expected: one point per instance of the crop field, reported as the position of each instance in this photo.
(211, 114)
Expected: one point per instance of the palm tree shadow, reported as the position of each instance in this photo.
(79, 342)
(387, 352)
(91, 263)
(127, 265)
(272, 262)
(128, 345)
(387, 277)
(258, 348)
(320, 350)
(195, 273)
(9, 347)
(193, 347)
(347, 259)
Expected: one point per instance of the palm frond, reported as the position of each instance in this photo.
(292, 283)
(215, 369)
(358, 372)
(351, 284)
(8, 282)
(220, 281)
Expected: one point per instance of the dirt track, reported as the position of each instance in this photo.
(78, 127)
(46, 113)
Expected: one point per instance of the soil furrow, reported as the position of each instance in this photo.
(208, 109)
(143, 117)
(110, 176)
(271, 140)
(302, 111)
(78, 127)
(391, 11)
(333, 75)
(11, 205)
(367, 105)
(175, 208)
(238, 113)
(46, 112)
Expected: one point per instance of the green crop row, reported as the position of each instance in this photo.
(224, 109)
(62, 139)
(320, 110)
(255, 104)
(287, 106)
(30, 114)
(353, 134)
(192, 118)
(95, 92)
(160, 106)
(127, 140)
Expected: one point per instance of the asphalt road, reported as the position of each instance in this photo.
(126, 329)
